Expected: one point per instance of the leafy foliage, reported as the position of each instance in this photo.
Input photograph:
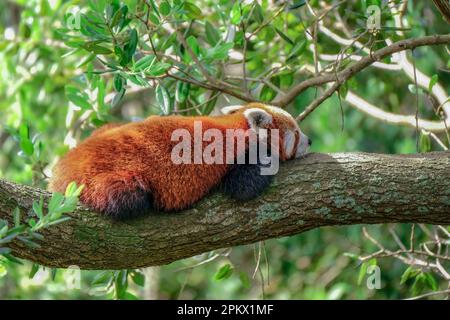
(69, 67)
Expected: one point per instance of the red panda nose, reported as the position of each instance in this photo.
(309, 141)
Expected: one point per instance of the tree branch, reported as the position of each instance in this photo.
(356, 67)
(320, 190)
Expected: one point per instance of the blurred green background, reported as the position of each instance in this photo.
(38, 62)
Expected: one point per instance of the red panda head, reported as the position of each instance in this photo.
(293, 142)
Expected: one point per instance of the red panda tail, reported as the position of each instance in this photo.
(118, 197)
(128, 204)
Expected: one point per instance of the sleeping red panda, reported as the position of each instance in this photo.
(127, 169)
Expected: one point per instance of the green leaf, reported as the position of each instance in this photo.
(343, 90)
(118, 82)
(144, 63)
(267, 92)
(182, 91)
(168, 41)
(73, 190)
(130, 47)
(284, 36)
(95, 48)
(138, 80)
(32, 222)
(59, 220)
(212, 35)
(363, 269)
(38, 208)
(163, 99)
(245, 281)
(24, 132)
(158, 69)
(220, 52)
(33, 271)
(209, 107)
(362, 272)
(258, 13)
(164, 8)
(129, 296)
(424, 143)
(102, 278)
(297, 50)
(297, 4)
(419, 284)
(409, 273)
(286, 79)
(119, 17)
(433, 81)
(26, 144)
(193, 44)
(53, 272)
(101, 96)
(77, 97)
(192, 11)
(154, 19)
(154, 7)
(16, 216)
(12, 258)
(27, 147)
(4, 251)
(224, 272)
(117, 98)
(121, 283)
(55, 203)
(431, 281)
(138, 278)
(31, 244)
(235, 15)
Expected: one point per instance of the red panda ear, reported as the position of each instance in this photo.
(258, 118)
(231, 109)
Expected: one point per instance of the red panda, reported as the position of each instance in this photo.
(127, 169)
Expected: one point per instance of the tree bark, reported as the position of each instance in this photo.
(319, 190)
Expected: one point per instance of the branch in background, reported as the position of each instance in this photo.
(401, 63)
(389, 117)
(213, 87)
(354, 57)
(351, 70)
(400, 60)
(318, 101)
(320, 190)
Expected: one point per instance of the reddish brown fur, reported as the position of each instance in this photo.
(138, 156)
(134, 160)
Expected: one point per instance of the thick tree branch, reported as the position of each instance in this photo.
(320, 190)
(356, 67)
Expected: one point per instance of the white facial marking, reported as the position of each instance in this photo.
(289, 143)
(230, 109)
(279, 111)
(303, 145)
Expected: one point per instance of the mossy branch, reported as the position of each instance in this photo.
(320, 190)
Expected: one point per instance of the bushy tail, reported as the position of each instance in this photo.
(128, 204)
(118, 196)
